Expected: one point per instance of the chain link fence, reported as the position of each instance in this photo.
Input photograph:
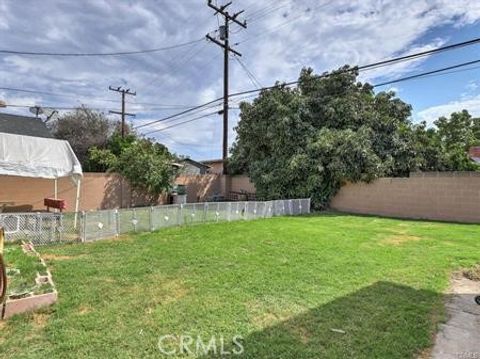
(45, 228)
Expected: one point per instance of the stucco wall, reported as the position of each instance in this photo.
(453, 196)
(98, 191)
(202, 187)
(241, 184)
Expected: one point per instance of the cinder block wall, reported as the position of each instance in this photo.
(448, 196)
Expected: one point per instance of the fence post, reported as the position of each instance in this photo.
(245, 213)
(134, 219)
(229, 211)
(152, 228)
(117, 223)
(180, 217)
(205, 210)
(84, 227)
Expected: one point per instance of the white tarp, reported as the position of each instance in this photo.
(38, 157)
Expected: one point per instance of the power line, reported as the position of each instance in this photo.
(266, 13)
(423, 74)
(182, 123)
(420, 54)
(91, 54)
(180, 113)
(293, 19)
(250, 75)
(359, 68)
(57, 107)
(95, 99)
(186, 58)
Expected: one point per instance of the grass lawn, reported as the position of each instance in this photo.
(282, 284)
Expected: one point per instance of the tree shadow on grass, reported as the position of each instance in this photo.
(384, 320)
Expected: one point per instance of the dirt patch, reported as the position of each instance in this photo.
(159, 291)
(40, 320)
(84, 310)
(472, 273)
(266, 312)
(399, 239)
(175, 290)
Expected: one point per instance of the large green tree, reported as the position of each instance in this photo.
(310, 140)
(84, 128)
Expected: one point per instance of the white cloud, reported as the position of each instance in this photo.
(279, 44)
(431, 114)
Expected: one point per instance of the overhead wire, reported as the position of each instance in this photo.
(182, 123)
(359, 68)
(91, 54)
(250, 75)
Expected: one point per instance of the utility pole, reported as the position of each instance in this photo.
(225, 44)
(122, 113)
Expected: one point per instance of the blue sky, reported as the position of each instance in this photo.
(282, 37)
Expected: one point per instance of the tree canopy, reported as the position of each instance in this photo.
(83, 128)
(148, 166)
(330, 130)
(96, 140)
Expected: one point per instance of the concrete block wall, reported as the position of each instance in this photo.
(447, 196)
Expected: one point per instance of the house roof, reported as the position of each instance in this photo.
(195, 163)
(23, 125)
(213, 161)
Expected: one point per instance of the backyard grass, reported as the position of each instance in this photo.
(326, 286)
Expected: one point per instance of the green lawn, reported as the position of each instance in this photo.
(282, 284)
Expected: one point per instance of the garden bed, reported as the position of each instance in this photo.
(29, 282)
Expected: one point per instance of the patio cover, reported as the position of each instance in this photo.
(38, 157)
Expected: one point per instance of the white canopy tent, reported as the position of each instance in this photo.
(39, 157)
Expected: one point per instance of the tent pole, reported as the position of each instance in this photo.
(77, 202)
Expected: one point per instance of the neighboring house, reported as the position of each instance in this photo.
(191, 167)
(215, 166)
(23, 125)
(474, 153)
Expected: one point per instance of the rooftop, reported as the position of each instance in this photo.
(22, 125)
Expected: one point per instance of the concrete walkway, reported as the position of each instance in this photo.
(459, 337)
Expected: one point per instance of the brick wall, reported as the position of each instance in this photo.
(449, 196)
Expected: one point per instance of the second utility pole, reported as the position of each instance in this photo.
(122, 113)
(224, 34)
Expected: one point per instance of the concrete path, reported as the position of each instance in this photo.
(459, 337)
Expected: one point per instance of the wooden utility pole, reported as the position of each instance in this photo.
(122, 113)
(224, 43)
